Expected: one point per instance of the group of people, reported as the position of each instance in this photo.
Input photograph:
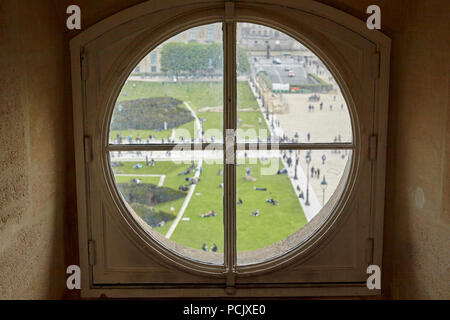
(311, 107)
(315, 172)
(191, 180)
(187, 171)
(301, 195)
(139, 140)
(213, 249)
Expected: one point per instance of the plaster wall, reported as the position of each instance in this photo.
(32, 151)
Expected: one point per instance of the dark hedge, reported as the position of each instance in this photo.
(152, 217)
(148, 194)
(150, 114)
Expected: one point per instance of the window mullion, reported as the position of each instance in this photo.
(165, 147)
(230, 121)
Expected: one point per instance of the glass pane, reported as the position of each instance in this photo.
(177, 197)
(285, 92)
(279, 193)
(175, 94)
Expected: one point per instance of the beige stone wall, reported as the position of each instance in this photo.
(32, 151)
(418, 155)
(37, 125)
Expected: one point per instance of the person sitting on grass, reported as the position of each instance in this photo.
(272, 201)
(282, 171)
(137, 181)
(185, 173)
(192, 181)
(204, 247)
(255, 213)
(240, 201)
(260, 189)
(214, 248)
(210, 214)
(183, 188)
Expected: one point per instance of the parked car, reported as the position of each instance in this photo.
(287, 69)
(276, 61)
(291, 74)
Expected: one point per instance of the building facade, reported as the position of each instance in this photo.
(206, 34)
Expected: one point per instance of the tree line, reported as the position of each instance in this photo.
(197, 59)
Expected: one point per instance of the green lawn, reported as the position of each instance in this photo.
(199, 230)
(275, 223)
(199, 95)
(172, 180)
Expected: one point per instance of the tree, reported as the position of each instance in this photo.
(191, 58)
(172, 58)
(196, 59)
(243, 66)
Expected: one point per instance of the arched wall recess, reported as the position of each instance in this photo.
(125, 258)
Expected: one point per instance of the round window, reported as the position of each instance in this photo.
(251, 178)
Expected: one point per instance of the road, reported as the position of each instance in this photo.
(278, 73)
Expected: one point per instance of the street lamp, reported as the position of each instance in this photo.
(308, 161)
(273, 126)
(324, 186)
(296, 165)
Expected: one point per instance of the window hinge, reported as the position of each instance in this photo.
(88, 154)
(373, 147)
(376, 65)
(91, 249)
(84, 66)
(369, 252)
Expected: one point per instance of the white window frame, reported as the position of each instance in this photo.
(240, 11)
